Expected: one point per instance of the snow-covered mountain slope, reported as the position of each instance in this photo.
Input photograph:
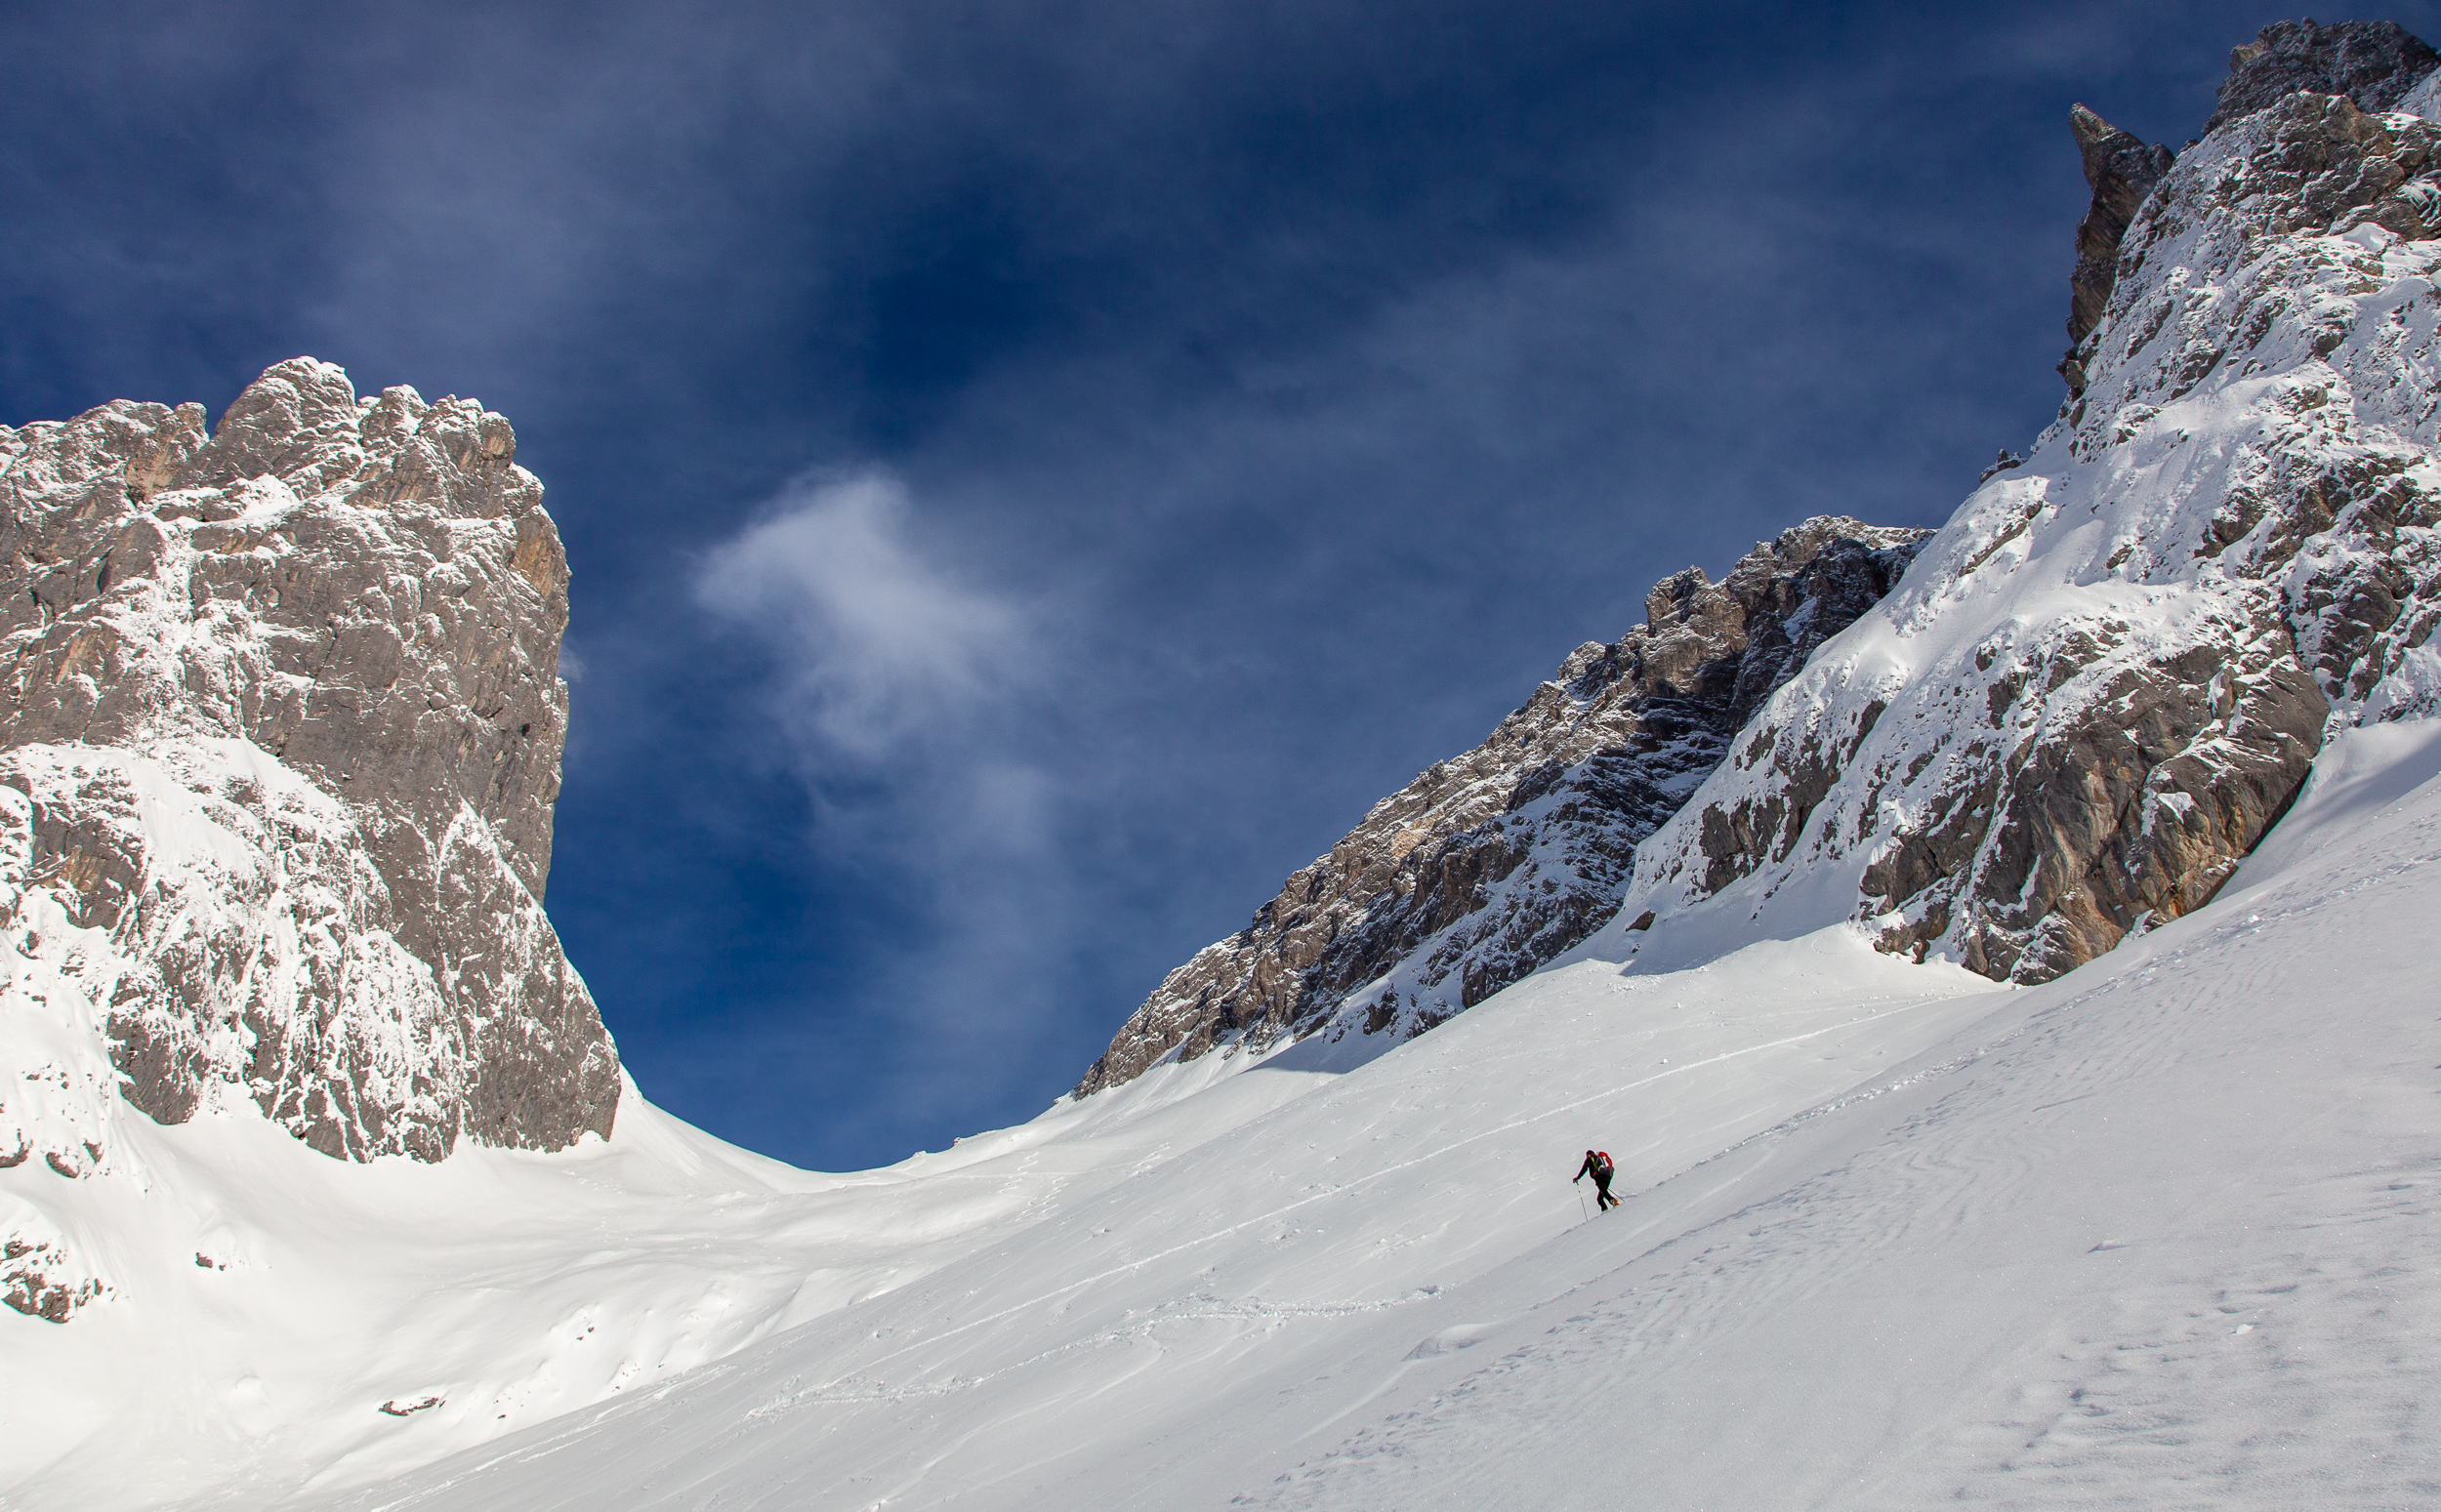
(2104, 679)
(1493, 863)
(2161, 1233)
(1898, 1237)
(1236, 1260)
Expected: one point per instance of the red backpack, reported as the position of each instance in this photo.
(1602, 1161)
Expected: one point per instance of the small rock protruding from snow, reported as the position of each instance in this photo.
(41, 1275)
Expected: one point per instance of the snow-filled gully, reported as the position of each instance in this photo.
(1863, 1263)
(1860, 1264)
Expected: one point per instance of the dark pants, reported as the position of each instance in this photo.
(1601, 1190)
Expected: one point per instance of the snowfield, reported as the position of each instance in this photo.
(2161, 1233)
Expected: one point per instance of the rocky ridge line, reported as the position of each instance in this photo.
(1493, 863)
(2373, 64)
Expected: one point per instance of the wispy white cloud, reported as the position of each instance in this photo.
(910, 695)
(880, 647)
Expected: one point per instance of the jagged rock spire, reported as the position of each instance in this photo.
(2121, 170)
(2109, 676)
(2373, 64)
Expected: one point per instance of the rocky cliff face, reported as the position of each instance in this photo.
(2104, 679)
(280, 726)
(1491, 864)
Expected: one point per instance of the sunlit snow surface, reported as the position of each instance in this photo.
(2158, 1233)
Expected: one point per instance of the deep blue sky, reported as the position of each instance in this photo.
(1035, 473)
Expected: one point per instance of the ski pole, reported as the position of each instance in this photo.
(1588, 1217)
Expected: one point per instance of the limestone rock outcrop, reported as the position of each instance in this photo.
(2106, 679)
(39, 1277)
(2095, 689)
(280, 725)
(1492, 863)
(2373, 64)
